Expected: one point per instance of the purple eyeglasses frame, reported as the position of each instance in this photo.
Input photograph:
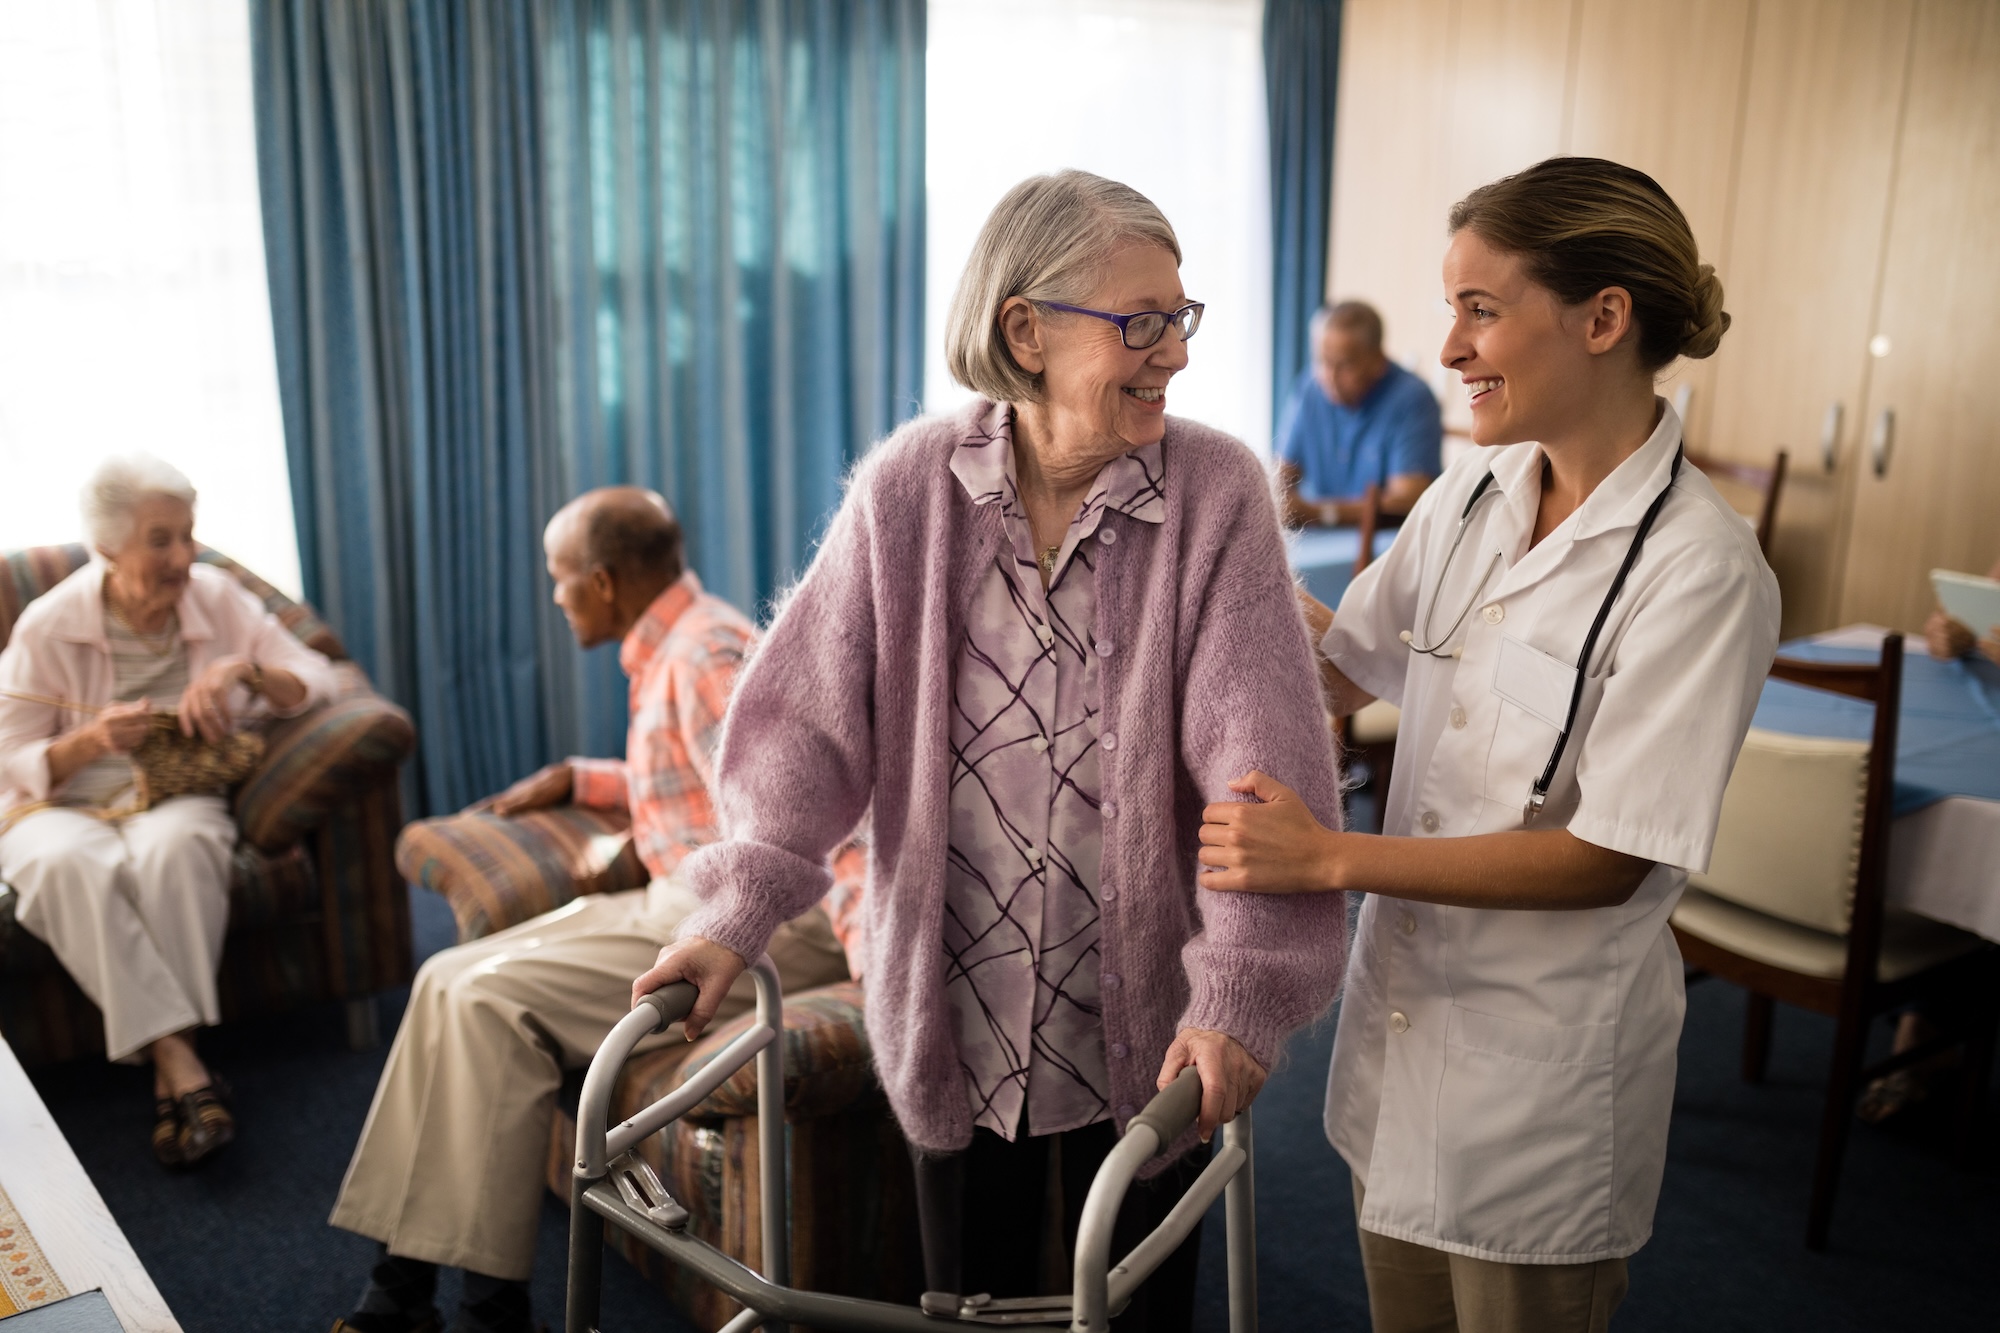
(1123, 321)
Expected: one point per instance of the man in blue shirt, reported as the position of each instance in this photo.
(1355, 419)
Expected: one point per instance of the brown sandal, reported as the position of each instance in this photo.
(167, 1132)
(206, 1125)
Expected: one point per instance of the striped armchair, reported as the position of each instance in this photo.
(316, 908)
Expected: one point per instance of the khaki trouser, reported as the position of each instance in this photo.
(1416, 1289)
(135, 909)
(450, 1164)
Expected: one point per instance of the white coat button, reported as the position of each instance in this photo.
(1458, 719)
(1398, 1022)
(1429, 821)
(1119, 1050)
(1407, 924)
(1045, 634)
(1495, 614)
(1034, 856)
(1104, 647)
(1110, 981)
(1109, 809)
(1109, 740)
(1109, 895)
(1109, 536)
(1039, 745)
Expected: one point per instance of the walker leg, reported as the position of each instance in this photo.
(1239, 1202)
(586, 1262)
(940, 1182)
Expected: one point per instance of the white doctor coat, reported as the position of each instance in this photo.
(1502, 1080)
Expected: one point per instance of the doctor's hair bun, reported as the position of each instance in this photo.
(1582, 224)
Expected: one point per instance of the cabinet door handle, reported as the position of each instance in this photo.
(1882, 441)
(1829, 436)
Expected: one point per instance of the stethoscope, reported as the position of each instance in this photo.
(1540, 791)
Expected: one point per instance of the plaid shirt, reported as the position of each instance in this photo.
(682, 658)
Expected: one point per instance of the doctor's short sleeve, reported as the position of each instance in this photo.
(1365, 641)
(1677, 701)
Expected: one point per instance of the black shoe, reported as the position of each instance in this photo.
(493, 1305)
(398, 1298)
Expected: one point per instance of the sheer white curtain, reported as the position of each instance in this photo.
(1165, 95)
(133, 308)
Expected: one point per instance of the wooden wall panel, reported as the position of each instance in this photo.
(1658, 85)
(1388, 202)
(1822, 104)
(1938, 504)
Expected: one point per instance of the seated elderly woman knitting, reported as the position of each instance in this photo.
(133, 901)
(1039, 634)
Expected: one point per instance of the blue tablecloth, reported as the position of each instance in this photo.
(1324, 558)
(1948, 732)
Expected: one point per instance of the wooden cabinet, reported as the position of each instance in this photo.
(1935, 501)
(1839, 161)
(1824, 94)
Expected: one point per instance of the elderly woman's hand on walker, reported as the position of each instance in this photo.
(712, 967)
(1230, 1076)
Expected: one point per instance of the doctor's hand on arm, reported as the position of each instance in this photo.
(1231, 1078)
(1272, 844)
(713, 968)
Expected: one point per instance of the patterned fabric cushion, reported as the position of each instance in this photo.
(498, 872)
(32, 572)
(316, 761)
(300, 619)
(828, 1066)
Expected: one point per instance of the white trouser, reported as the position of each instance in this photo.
(135, 909)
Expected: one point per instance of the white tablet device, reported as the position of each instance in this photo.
(1970, 600)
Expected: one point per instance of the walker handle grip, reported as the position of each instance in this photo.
(671, 1002)
(1169, 1114)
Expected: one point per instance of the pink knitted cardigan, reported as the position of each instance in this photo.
(1209, 674)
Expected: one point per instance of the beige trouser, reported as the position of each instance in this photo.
(135, 909)
(1416, 1289)
(450, 1166)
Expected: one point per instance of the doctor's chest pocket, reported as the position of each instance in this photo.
(1525, 1134)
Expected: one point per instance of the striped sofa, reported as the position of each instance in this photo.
(316, 909)
(853, 1211)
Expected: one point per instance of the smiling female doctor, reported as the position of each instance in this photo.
(1576, 628)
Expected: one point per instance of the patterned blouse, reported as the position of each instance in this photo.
(1021, 906)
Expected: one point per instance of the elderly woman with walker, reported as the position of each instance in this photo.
(1577, 628)
(1039, 633)
(134, 902)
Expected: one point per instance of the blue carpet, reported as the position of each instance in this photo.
(243, 1244)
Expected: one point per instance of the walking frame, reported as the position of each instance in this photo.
(612, 1184)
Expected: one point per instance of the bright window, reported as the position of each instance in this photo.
(1165, 95)
(134, 313)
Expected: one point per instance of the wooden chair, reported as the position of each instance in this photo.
(1792, 908)
(1767, 482)
(1371, 732)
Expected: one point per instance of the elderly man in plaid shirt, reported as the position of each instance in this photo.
(449, 1167)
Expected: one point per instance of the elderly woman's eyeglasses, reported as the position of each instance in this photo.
(1142, 328)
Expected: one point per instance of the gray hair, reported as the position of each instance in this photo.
(1356, 318)
(116, 489)
(1047, 239)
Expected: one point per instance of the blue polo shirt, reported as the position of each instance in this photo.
(1340, 450)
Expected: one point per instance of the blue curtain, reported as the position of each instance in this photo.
(521, 249)
(1301, 79)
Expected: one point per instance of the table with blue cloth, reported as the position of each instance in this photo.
(1944, 843)
(1323, 558)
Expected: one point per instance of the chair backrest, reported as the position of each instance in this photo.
(1767, 482)
(1805, 820)
(27, 574)
(1371, 519)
